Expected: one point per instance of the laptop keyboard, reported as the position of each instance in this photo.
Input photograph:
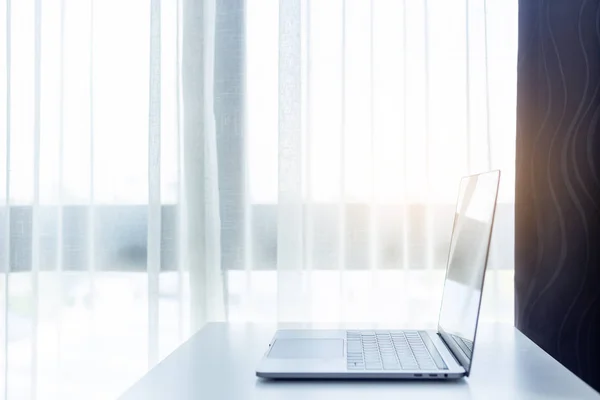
(392, 350)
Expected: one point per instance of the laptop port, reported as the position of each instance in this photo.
(433, 375)
(418, 375)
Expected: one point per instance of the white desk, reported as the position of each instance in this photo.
(219, 363)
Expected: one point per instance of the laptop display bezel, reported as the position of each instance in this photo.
(456, 351)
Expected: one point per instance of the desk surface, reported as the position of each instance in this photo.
(219, 363)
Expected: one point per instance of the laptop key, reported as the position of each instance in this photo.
(356, 368)
(354, 357)
(356, 364)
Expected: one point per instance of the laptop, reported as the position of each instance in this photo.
(445, 353)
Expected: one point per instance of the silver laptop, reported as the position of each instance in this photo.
(413, 353)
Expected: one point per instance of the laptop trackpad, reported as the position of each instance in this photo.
(307, 348)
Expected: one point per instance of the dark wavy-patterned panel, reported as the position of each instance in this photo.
(557, 249)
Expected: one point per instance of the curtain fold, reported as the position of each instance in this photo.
(5, 46)
(154, 217)
(164, 164)
(291, 281)
(200, 225)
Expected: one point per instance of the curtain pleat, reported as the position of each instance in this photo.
(468, 85)
(201, 223)
(35, 223)
(179, 185)
(91, 205)
(5, 256)
(291, 257)
(59, 232)
(342, 211)
(405, 248)
(373, 228)
(373, 256)
(214, 288)
(429, 217)
(194, 148)
(154, 181)
(307, 224)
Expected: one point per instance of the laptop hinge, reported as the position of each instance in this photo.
(455, 350)
(448, 347)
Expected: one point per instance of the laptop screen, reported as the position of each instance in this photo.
(467, 261)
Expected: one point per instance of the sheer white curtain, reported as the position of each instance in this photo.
(361, 116)
(167, 163)
(109, 250)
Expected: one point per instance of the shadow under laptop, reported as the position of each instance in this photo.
(351, 389)
(363, 387)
